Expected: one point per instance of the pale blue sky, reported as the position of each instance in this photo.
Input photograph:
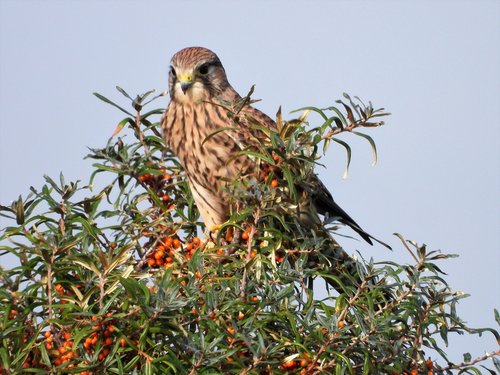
(434, 64)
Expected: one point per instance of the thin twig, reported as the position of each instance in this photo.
(470, 363)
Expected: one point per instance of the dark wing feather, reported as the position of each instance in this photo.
(325, 204)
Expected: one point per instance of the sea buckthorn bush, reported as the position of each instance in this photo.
(118, 276)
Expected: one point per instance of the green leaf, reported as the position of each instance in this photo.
(267, 158)
(123, 92)
(348, 151)
(121, 124)
(372, 143)
(314, 109)
(215, 132)
(106, 100)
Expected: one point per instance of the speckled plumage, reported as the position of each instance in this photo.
(198, 86)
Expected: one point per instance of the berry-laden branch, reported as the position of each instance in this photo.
(121, 282)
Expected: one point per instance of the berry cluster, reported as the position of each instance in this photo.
(60, 348)
(159, 183)
(103, 333)
(163, 254)
(267, 170)
(429, 365)
(294, 364)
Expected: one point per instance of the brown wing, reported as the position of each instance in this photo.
(322, 199)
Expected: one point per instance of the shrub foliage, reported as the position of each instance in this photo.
(125, 279)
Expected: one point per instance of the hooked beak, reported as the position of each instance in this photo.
(186, 80)
(185, 86)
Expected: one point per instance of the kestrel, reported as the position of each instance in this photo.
(199, 91)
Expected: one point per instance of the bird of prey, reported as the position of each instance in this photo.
(199, 88)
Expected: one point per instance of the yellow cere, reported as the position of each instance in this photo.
(185, 77)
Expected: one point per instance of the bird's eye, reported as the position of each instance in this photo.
(203, 69)
(172, 71)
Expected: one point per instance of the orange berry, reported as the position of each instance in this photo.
(201, 303)
(159, 254)
(188, 247)
(66, 335)
(47, 334)
(245, 235)
(231, 330)
(113, 245)
(340, 324)
(241, 315)
(49, 339)
(123, 342)
(167, 176)
(165, 198)
(274, 183)
(414, 372)
(194, 311)
(111, 328)
(429, 364)
(151, 262)
(220, 251)
(176, 243)
(108, 341)
(289, 364)
(229, 359)
(49, 345)
(197, 275)
(196, 241)
(253, 253)
(168, 242)
(169, 260)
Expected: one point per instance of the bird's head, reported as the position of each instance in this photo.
(196, 74)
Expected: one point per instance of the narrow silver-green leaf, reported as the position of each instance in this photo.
(372, 143)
